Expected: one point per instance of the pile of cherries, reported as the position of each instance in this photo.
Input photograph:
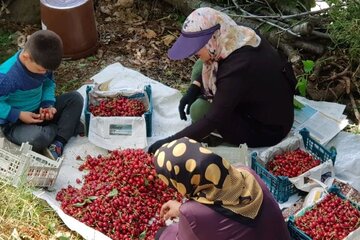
(120, 196)
(292, 163)
(120, 107)
(332, 218)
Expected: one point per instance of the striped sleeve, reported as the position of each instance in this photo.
(6, 111)
(48, 97)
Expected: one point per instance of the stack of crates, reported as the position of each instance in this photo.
(24, 166)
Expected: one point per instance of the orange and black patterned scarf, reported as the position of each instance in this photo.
(205, 177)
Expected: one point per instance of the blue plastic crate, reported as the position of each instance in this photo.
(147, 115)
(280, 186)
(296, 233)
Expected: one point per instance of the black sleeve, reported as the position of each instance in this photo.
(232, 89)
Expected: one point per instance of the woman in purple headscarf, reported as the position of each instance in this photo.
(245, 91)
(222, 202)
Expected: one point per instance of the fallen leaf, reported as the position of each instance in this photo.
(154, 46)
(150, 33)
(168, 39)
(105, 9)
(124, 3)
(140, 51)
(99, 53)
(136, 62)
(117, 14)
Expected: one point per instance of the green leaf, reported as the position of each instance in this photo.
(79, 204)
(82, 65)
(87, 200)
(308, 66)
(51, 228)
(297, 104)
(91, 58)
(113, 193)
(92, 198)
(142, 235)
(302, 85)
(63, 238)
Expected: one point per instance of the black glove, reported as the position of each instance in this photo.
(190, 96)
(156, 145)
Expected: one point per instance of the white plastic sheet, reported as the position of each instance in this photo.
(166, 122)
(347, 164)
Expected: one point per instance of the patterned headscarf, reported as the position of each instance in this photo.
(224, 41)
(203, 176)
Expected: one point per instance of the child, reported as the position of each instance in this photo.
(29, 110)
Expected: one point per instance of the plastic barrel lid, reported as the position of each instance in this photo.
(63, 4)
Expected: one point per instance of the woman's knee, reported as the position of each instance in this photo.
(196, 70)
(198, 109)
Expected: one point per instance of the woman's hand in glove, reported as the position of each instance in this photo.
(156, 145)
(189, 98)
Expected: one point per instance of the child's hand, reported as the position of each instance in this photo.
(47, 113)
(30, 117)
(170, 209)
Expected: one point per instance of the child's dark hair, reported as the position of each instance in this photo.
(45, 48)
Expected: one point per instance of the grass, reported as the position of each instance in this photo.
(24, 216)
(7, 46)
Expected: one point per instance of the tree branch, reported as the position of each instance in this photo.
(265, 21)
(282, 17)
(321, 34)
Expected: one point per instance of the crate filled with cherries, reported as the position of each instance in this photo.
(291, 158)
(120, 118)
(292, 163)
(333, 217)
(118, 107)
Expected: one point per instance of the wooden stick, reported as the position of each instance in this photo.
(283, 16)
(341, 74)
(304, 28)
(355, 109)
(353, 79)
(321, 34)
(353, 102)
(265, 21)
(309, 46)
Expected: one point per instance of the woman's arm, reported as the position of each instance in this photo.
(232, 88)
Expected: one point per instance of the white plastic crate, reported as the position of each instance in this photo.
(22, 165)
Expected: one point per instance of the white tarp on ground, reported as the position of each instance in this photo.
(166, 122)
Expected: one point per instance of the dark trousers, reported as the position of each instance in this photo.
(64, 124)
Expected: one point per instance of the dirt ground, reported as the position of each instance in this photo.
(138, 37)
